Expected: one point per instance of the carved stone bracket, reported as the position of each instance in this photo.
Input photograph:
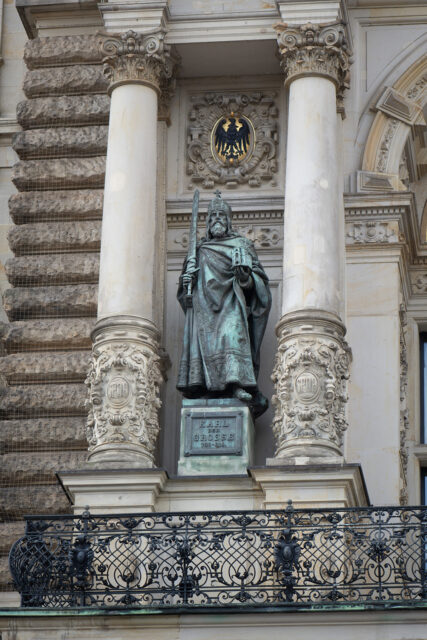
(206, 109)
(313, 49)
(135, 58)
(310, 374)
(123, 381)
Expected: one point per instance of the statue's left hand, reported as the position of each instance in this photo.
(243, 275)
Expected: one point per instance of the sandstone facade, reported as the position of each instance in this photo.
(51, 304)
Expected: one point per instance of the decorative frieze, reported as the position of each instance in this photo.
(123, 381)
(313, 49)
(266, 237)
(138, 58)
(310, 375)
(259, 166)
(372, 232)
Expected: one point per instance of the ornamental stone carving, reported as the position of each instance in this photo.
(262, 237)
(135, 58)
(384, 148)
(374, 231)
(310, 375)
(314, 49)
(123, 380)
(419, 282)
(257, 167)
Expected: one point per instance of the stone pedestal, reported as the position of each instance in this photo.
(324, 486)
(217, 438)
(113, 490)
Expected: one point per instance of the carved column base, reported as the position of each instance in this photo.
(310, 374)
(123, 381)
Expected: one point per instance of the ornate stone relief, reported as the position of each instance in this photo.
(135, 57)
(262, 237)
(313, 49)
(419, 282)
(384, 150)
(123, 380)
(404, 416)
(310, 375)
(260, 166)
(372, 232)
(417, 89)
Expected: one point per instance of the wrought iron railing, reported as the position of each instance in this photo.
(290, 558)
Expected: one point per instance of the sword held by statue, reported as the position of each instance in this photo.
(192, 249)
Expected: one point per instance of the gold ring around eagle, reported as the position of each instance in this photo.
(232, 139)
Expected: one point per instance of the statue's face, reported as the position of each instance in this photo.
(218, 223)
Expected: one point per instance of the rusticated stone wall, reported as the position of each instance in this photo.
(51, 304)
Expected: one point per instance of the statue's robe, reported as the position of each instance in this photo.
(225, 325)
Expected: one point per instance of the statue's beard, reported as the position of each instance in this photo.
(218, 230)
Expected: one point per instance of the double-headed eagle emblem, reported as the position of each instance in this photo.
(232, 138)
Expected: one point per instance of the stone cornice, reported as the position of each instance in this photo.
(315, 50)
(136, 58)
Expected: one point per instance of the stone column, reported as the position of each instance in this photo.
(124, 376)
(312, 365)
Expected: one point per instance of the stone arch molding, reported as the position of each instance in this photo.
(399, 108)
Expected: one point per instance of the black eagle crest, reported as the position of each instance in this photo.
(233, 141)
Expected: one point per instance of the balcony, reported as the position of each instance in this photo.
(261, 560)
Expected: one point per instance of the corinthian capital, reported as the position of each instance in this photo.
(136, 58)
(315, 50)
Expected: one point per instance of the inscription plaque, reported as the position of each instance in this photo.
(212, 434)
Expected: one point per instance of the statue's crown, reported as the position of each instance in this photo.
(218, 203)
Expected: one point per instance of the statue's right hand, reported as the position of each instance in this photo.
(187, 278)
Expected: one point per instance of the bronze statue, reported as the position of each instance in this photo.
(225, 295)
